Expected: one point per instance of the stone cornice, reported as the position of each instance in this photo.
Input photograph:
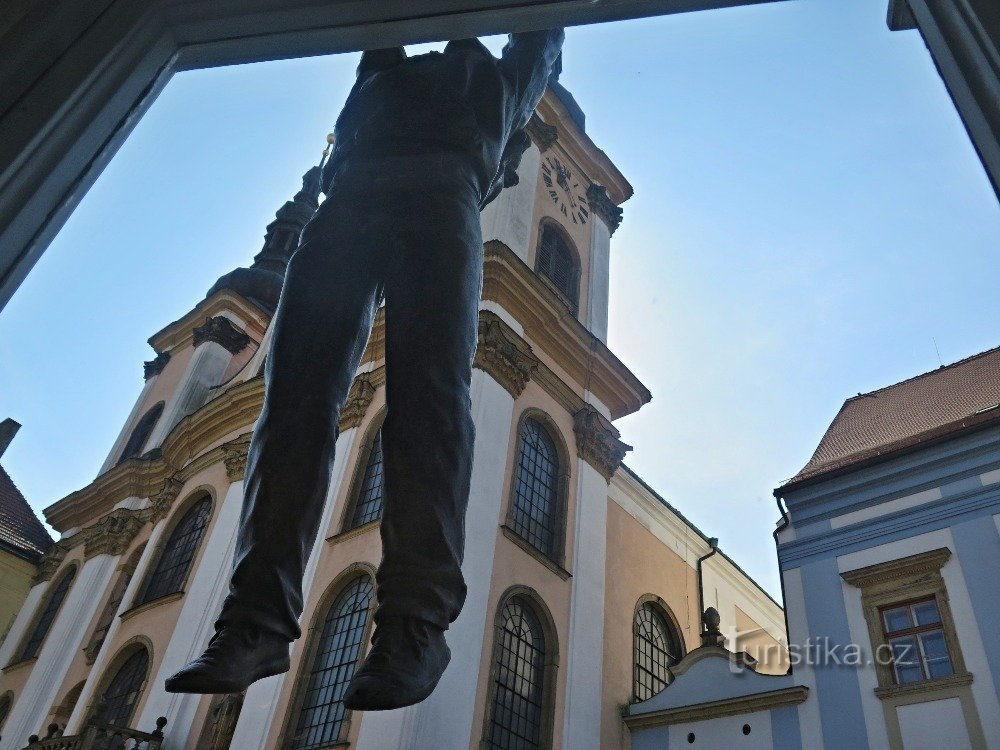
(113, 534)
(602, 206)
(375, 350)
(790, 696)
(234, 455)
(504, 355)
(359, 398)
(552, 331)
(541, 133)
(907, 567)
(51, 560)
(221, 330)
(180, 333)
(155, 366)
(597, 441)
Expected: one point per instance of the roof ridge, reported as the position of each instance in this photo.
(910, 379)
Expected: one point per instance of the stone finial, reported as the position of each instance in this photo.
(541, 133)
(597, 441)
(711, 635)
(221, 330)
(235, 457)
(503, 355)
(113, 534)
(602, 206)
(155, 366)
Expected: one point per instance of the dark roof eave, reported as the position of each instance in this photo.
(890, 451)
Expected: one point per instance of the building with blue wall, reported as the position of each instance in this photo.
(889, 550)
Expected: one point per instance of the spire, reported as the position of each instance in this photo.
(262, 281)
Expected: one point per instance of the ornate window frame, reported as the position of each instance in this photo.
(551, 224)
(672, 622)
(557, 560)
(550, 669)
(125, 652)
(54, 583)
(363, 455)
(177, 514)
(897, 582)
(311, 638)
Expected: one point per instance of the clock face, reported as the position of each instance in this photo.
(565, 190)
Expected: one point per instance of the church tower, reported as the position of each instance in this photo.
(130, 591)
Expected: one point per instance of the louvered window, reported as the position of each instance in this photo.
(516, 713)
(368, 501)
(172, 567)
(535, 514)
(123, 692)
(338, 651)
(657, 648)
(557, 262)
(44, 622)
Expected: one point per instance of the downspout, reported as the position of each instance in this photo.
(713, 542)
(785, 521)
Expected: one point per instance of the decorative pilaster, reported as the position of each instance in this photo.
(360, 398)
(541, 133)
(235, 457)
(155, 366)
(160, 503)
(221, 330)
(502, 354)
(602, 205)
(113, 534)
(51, 561)
(597, 441)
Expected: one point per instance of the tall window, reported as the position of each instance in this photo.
(172, 568)
(122, 694)
(917, 642)
(517, 709)
(44, 622)
(337, 652)
(557, 262)
(535, 513)
(141, 432)
(657, 648)
(367, 505)
(114, 601)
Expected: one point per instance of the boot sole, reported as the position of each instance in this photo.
(208, 685)
(389, 701)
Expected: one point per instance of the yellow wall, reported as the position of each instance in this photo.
(15, 582)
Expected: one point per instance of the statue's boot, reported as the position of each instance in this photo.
(407, 659)
(235, 658)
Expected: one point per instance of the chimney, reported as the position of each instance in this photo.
(8, 429)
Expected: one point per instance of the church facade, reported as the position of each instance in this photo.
(584, 586)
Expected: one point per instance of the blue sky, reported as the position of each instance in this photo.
(810, 220)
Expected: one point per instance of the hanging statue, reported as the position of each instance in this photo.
(422, 145)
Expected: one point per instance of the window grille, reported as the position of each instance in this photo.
(172, 568)
(519, 656)
(122, 693)
(657, 648)
(535, 513)
(556, 263)
(338, 651)
(141, 432)
(368, 504)
(55, 600)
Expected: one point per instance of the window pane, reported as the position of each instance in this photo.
(123, 692)
(519, 655)
(935, 653)
(926, 613)
(172, 567)
(896, 619)
(368, 506)
(656, 649)
(337, 654)
(906, 659)
(536, 489)
(52, 606)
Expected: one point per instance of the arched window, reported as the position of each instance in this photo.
(366, 503)
(519, 715)
(536, 512)
(124, 689)
(5, 705)
(657, 648)
(65, 709)
(34, 643)
(141, 432)
(336, 654)
(114, 601)
(556, 261)
(172, 567)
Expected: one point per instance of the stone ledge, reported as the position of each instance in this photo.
(746, 704)
(128, 614)
(924, 687)
(525, 545)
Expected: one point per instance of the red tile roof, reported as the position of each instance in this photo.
(20, 530)
(929, 406)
